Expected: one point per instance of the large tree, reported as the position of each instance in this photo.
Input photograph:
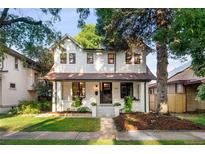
(31, 35)
(187, 37)
(124, 29)
(88, 37)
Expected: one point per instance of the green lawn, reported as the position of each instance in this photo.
(31, 123)
(97, 142)
(198, 118)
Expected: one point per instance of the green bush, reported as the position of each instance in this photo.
(94, 104)
(201, 93)
(29, 107)
(83, 109)
(45, 105)
(14, 110)
(117, 104)
(128, 104)
(76, 102)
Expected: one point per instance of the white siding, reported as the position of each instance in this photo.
(22, 77)
(100, 64)
(65, 101)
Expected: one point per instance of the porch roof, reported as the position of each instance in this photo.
(101, 76)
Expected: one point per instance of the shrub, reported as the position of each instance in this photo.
(117, 104)
(29, 107)
(14, 110)
(201, 93)
(83, 109)
(45, 105)
(128, 104)
(76, 102)
(94, 104)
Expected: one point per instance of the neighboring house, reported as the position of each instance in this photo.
(182, 90)
(16, 81)
(100, 76)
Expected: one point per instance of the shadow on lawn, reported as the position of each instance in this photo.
(38, 126)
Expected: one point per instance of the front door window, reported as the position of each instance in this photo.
(106, 93)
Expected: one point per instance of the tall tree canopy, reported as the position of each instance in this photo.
(30, 34)
(26, 33)
(88, 37)
(187, 37)
(124, 28)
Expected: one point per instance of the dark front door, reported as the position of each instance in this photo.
(106, 93)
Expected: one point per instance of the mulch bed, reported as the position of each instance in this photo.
(153, 121)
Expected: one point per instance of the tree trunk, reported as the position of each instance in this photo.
(162, 63)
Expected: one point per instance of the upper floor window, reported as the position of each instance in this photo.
(137, 58)
(16, 63)
(72, 59)
(63, 58)
(12, 85)
(111, 58)
(128, 57)
(90, 58)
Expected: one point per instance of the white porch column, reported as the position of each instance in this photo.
(57, 96)
(144, 96)
(147, 97)
(54, 98)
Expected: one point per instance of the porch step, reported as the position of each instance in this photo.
(105, 111)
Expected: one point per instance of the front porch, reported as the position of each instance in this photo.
(104, 93)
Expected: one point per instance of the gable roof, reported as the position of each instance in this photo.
(67, 36)
(16, 54)
(182, 74)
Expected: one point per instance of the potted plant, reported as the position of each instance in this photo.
(94, 109)
(117, 107)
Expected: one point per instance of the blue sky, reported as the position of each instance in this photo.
(68, 24)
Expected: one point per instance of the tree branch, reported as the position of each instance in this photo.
(4, 14)
(22, 19)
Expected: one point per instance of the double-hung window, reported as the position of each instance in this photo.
(111, 58)
(89, 58)
(78, 89)
(72, 58)
(126, 89)
(63, 58)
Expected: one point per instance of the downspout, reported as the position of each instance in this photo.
(145, 98)
(115, 63)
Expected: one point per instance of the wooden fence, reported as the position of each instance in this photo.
(176, 102)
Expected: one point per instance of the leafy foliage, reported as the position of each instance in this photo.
(29, 107)
(44, 89)
(201, 93)
(76, 102)
(88, 37)
(93, 104)
(187, 37)
(27, 34)
(83, 109)
(128, 104)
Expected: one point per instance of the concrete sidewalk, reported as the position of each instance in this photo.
(161, 135)
(138, 135)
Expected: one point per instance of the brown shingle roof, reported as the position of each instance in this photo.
(185, 77)
(101, 76)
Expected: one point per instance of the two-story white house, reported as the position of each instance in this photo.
(16, 81)
(100, 76)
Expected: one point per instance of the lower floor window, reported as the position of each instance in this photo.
(78, 89)
(126, 89)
